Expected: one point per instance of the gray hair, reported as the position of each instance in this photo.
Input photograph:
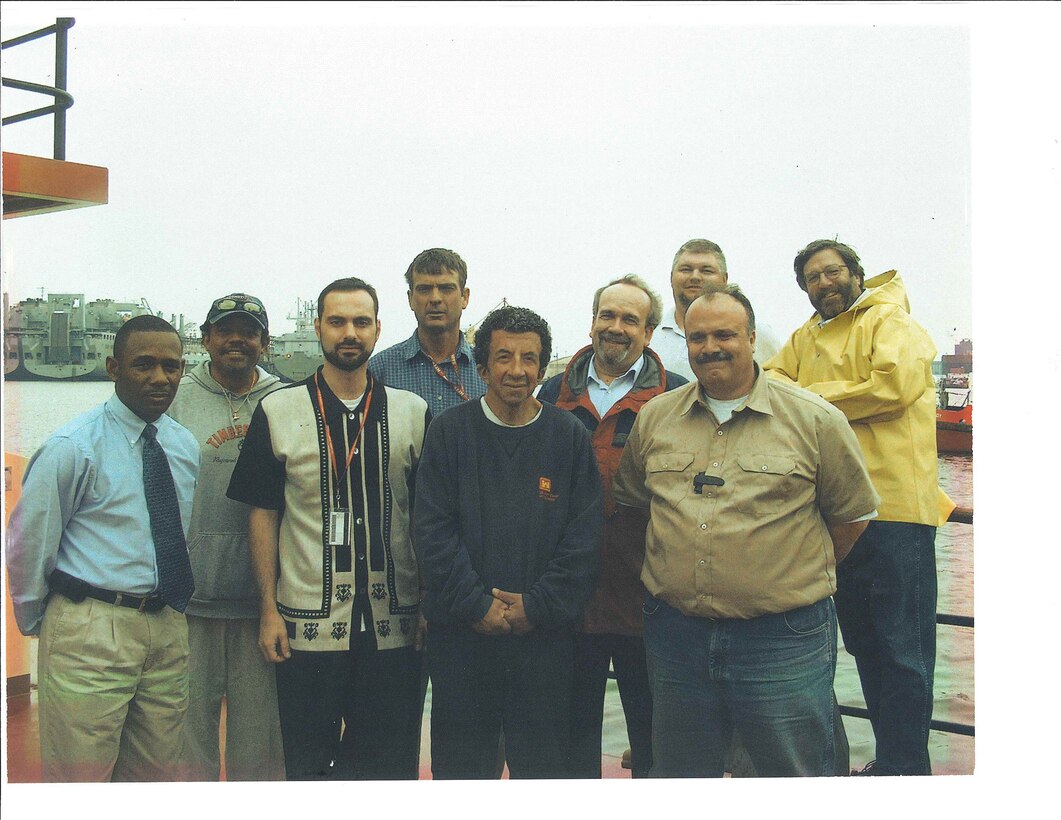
(655, 313)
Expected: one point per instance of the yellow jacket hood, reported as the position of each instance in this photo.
(874, 363)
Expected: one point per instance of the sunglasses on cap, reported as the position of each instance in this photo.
(233, 304)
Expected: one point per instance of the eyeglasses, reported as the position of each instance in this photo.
(232, 304)
(830, 273)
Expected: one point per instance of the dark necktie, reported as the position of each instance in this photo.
(171, 551)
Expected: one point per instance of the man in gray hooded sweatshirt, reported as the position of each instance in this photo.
(215, 401)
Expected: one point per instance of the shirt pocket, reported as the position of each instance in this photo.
(667, 476)
(765, 482)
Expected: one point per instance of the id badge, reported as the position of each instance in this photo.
(338, 526)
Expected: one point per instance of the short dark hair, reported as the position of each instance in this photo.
(847, 253)
(712, 289)
(512, 320)
(433, 261)
(347, 285)
(700, 246)
(655, 311)
(141, 324)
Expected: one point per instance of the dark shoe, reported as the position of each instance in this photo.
(869, 770)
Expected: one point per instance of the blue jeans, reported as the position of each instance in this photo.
(886, 604)
(771, 677)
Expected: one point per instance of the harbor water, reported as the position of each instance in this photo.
(32, 410)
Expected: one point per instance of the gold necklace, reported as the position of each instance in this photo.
(228, 395)
(236, 408)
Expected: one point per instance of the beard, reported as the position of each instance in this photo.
(685, 299)
(337, 360)
(612, 351)
(830, 308)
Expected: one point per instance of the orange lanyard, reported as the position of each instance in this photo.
(328, 431)
(458, 387)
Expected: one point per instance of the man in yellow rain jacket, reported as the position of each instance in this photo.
(862, 352)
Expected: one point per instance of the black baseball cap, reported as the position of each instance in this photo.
(239, 303)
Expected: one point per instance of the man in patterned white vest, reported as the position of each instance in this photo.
(327, 467)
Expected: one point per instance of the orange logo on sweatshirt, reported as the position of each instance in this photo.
(545, 489)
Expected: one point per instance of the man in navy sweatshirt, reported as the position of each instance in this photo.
(507, 522)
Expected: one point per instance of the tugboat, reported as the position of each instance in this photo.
(954, 416)
(954, 402)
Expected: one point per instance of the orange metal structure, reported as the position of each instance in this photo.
(35, 185)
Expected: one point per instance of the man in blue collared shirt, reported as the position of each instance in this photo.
(436, 361)
(112, 662)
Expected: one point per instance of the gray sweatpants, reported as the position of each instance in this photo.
(225, 662)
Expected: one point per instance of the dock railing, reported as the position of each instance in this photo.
(63, 99)
(960, 515)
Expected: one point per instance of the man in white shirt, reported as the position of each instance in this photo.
(696, 263)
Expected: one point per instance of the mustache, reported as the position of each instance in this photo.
(707, 358)
(616, 338)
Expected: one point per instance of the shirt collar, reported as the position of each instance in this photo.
(334, 407)
(635, 369)
(758, 398)
(411, 347)
(492, 416)
(669, 320)
(130, 424)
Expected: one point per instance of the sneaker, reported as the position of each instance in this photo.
(869, 770)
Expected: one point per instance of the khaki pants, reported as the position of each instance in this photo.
(113, 691)
(225, 663)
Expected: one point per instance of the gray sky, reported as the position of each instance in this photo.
(552, 148)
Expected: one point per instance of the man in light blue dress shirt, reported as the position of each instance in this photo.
(112, 659)
(605, 385)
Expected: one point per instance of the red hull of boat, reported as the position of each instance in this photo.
(954, 430)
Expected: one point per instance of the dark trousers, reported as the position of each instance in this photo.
(481, 684)
(374, 693)
(593, 655)
(886, 606)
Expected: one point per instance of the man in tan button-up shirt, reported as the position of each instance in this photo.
(755, 490)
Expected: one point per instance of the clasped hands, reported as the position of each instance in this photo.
(506, 615)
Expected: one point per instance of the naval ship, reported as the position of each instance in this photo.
(62, 336)
(296, 355)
